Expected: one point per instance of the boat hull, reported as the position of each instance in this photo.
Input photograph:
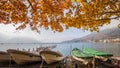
(21, 57)
(81, 56)
(84, 61)
(4, 57)
(50, 56)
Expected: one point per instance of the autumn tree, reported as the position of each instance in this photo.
(59, 14)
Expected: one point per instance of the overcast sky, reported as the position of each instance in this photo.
(48, 35)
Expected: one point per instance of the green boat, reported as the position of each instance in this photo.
(80, 54)
(96, 53)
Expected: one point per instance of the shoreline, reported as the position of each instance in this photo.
(68, 62)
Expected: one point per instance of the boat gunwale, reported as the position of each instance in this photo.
(3, 53)
(22, 52)
(50, 52)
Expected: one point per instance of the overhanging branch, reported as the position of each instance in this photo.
(111, 12)
(101, 19)
(30, 4)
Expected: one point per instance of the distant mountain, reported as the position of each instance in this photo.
(111, 33)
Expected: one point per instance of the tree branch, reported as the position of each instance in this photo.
(30, 4)
(111, 18)
(111, 12)
(102, 19)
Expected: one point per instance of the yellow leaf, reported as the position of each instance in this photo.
(73, 0)
(78, 1)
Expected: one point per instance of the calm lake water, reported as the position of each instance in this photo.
(65, 48)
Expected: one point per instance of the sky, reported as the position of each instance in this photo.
(48, 35)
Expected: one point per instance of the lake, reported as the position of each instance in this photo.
(65, 48)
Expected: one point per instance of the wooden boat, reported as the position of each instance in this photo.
(50, 56)
(81, 56)
(96, 53)
(116, 58)
(115, 61)
(24, 57)
(5, 57)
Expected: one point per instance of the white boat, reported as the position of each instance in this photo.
(4, 57)
(51, 56)
(24, 57)
(84, 61)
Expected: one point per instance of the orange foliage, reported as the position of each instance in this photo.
(56, 14)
